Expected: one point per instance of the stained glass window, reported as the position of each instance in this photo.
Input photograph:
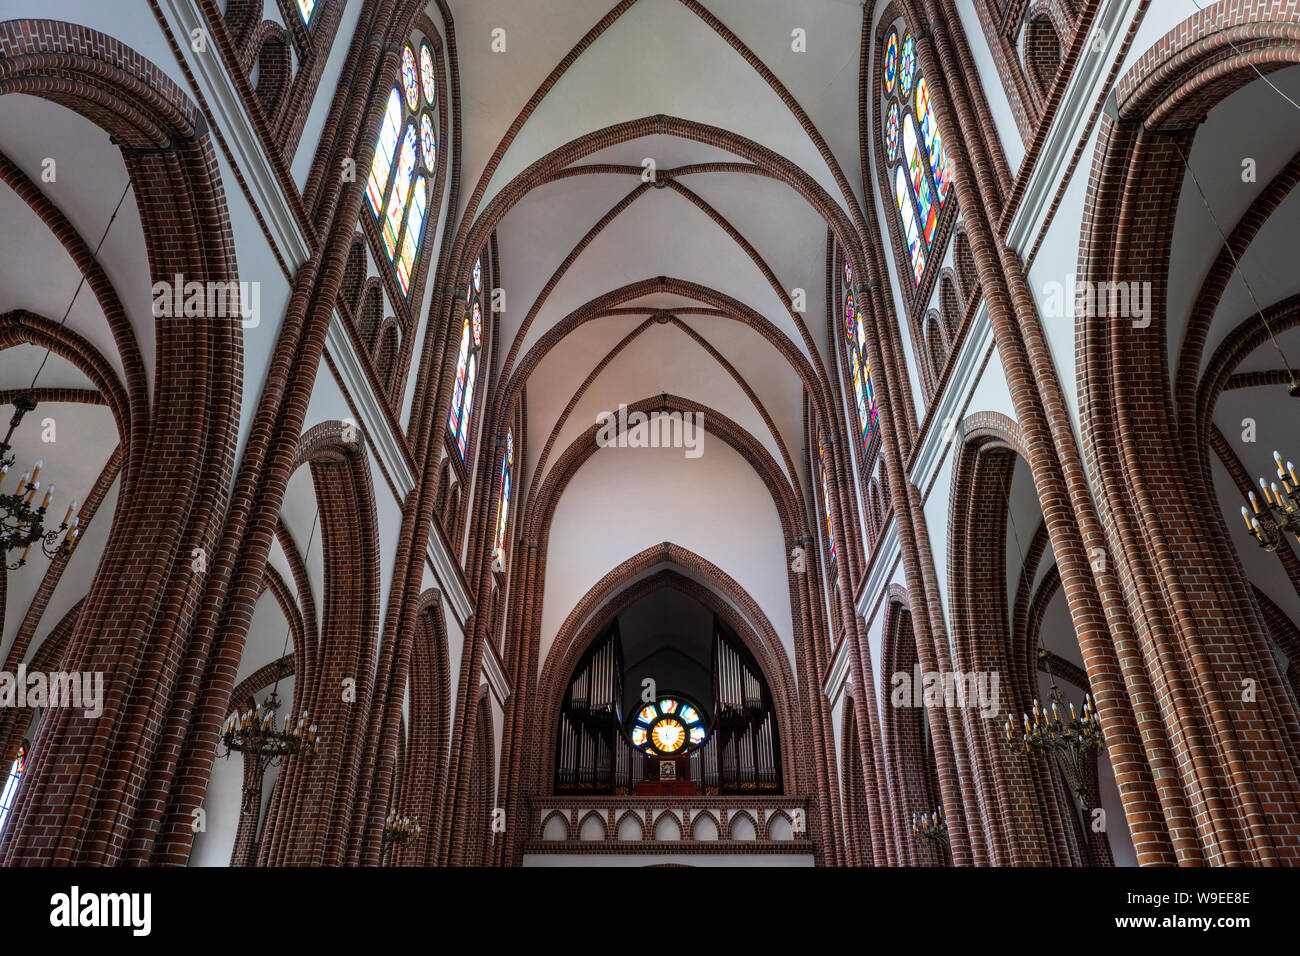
(11, 786)
(891, 133)
(471, 341)
(903, 199)
(891, 62)
(908, 68)
(410, 82)
(414, 223)
(503, 499)
(920, 194)
(826, 494)
(463, 439)
(668, 727)
(453, 415)
(864, 399)
(460, 412)
(920, 182)
(401, 188)
(428, 145)
(384, 148)
(406, 154)
(427, 78)
(933, 140)
(305, 8)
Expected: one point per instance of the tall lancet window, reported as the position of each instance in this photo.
(11, 786)
(406, 158)
(855, 337)
(918, 172)
(503, 499)
(826, 494)
(467, 363)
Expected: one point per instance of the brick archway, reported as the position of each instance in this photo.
(106, 805)
(628, 583)
(1229, 772)
(304, 825)
(1012, 804)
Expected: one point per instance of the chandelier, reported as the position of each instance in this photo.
(931, 826)
(1068, 742)
(254, 734)
(1268, 525)
(399, 830)
(21, 524)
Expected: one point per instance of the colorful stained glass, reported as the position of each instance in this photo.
(858, 397)
(428, 79)
(305, 9)
(907, 70)
(503, 515)
(920, 181)
(873, 409)
(411, 244)
(933, 141)
(859, 328)
(384, 147)
(826, 494)
(848, 272)
(428, 145)
(478, 275)
(850, 316)
(401, 189)
(891, 62)
(453, 415)
(478, 325)
(903, 200)
(668, 735)
(410, 81)
(463, 439)
(11, 785)
(503, 500)
(891, 133)
(667, 727)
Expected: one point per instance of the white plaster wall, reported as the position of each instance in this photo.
(994, 91)
(625, 500)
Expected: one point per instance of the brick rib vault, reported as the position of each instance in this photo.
(861, 244)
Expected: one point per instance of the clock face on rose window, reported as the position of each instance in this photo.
(668, 727)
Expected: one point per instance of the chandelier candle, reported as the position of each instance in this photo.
(21, 525)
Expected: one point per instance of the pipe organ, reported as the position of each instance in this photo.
(670, 746)
(592, 752)
(743, 752)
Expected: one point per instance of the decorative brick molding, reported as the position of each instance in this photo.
(638, 825)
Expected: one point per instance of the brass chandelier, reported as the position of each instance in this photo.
(399, 830)
(21, 524)
(1269, 525)
(254, 734)
(931, 827)
(1068, 742)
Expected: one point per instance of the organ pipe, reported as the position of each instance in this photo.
(591, 751)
